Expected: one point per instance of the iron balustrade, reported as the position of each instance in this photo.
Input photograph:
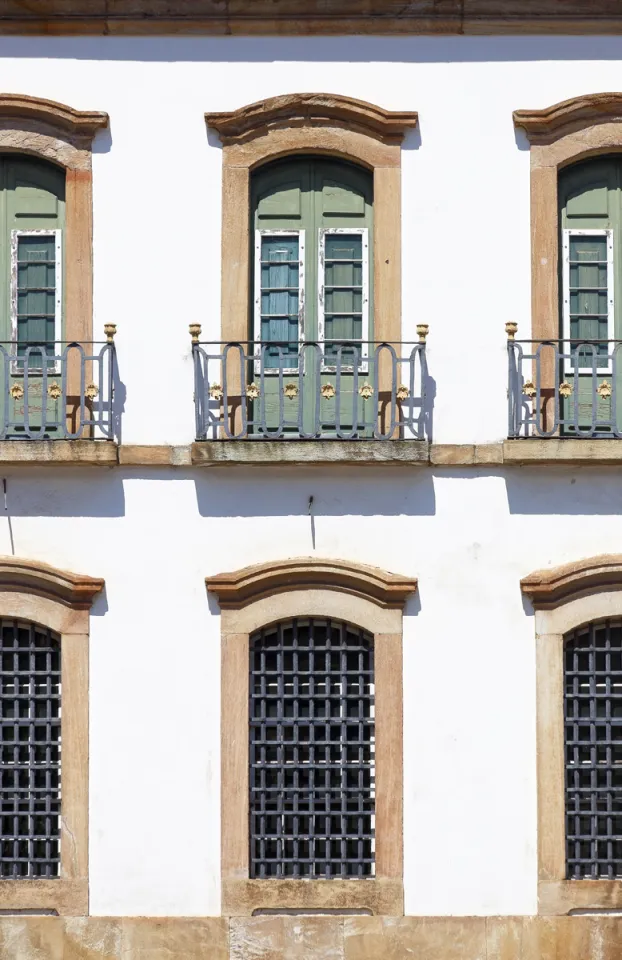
(58, 391)
(564, 388)
(331, 389)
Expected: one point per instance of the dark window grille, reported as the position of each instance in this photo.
(593, 745)
(30, 691)
(312, 751)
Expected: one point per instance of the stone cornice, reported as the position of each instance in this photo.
(547, 589)
(551, 123)
(31, 576)
(310, 17)
(241, 587)
(314, 109)
(64, 120)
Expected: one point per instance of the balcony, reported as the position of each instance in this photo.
(565, 389)
(59, 391)
(359, 392)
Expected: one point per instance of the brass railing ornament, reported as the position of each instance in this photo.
(110, 329)
(422, 331)
(195, 331)
(54, 390)
(511, 329)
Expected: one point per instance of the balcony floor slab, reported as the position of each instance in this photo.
(210, 453)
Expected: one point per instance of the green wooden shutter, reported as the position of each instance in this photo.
(33, 214)
(591, 270)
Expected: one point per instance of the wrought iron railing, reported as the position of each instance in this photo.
(59, 391)
(337, 389)
(564, 388)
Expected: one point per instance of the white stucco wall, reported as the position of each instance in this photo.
(470, 804)
(157, 180)
(470, 801)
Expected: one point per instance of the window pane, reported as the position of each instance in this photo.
(343, 290)
(311, 751)
(588, 293)
(30, 697)
(593, 749)
(36, 292)
(280, 298)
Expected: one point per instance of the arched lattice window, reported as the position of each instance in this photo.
(593, 747)
(30, 700)
(312, 778)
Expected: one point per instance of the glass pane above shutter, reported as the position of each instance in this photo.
(588, 291)
(36, 292)
(343, 290)
(280, 298)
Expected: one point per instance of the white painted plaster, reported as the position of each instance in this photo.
(470, 793)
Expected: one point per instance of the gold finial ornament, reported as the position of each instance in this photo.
(54, 390)
(565, 389)
(110, 329)
(366, 391)
(252, 391)
(402, 392)
(195, 331)
(422, 331)
(215, 391)
(529, 388)
(604, 390)
(511, 329)
(17, 391)
(290, 390)
(91, 391)
(328, 391)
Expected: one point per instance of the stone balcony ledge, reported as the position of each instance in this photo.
(229, 453)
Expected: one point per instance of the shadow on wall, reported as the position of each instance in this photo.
(554, 491)
(282, 491)
(92, 492)
(420, 49)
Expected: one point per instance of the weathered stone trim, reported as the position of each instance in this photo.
(61, 601)
(58, 452)
(321, 109)
(547, 589)
(565, 598)
(242, 587)
(364, 596)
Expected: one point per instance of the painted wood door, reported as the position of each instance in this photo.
(591, 282)
(313, 290)
(32, 218)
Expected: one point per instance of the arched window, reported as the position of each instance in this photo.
(311, 750)
(311, 723)
(30, 746)
(593, 750)
(312, 221)
(32, 219)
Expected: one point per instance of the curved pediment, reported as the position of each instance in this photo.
(549, 588)
(241, 587)
(33, 577)
(551, 123)
(81, 124)
(313, 109)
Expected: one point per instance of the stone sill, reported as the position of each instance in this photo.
(59, 452)
(222, 453)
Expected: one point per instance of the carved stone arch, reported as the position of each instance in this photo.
(366, 597)
(566, 598)
(298, 123)
(242, 587)
(548, 589)
(311, 109)
(58, 601)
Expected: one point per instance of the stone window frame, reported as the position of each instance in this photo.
(325, 125)
(369, 598)
(565, 598)
(560, 135)
(64, 136)
(59, 601)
